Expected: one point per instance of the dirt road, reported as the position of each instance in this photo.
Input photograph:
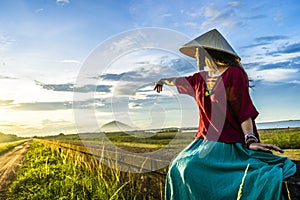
(9, 164)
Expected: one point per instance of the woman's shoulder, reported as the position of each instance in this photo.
(200, 74)
(236, 70)
(193, 79)
(231, 71)
(236, 75)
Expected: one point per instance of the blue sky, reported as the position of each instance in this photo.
(44, 45)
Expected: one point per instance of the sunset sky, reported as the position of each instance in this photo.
(47, 45)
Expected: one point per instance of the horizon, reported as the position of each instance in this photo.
(46, 45)
(161, 128)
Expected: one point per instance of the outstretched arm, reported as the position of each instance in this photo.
(168, 81)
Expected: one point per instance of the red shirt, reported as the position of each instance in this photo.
(222, 112)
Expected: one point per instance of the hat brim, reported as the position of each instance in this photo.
(191, 51)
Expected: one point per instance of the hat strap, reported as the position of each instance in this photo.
(204, 59)
(198, 59)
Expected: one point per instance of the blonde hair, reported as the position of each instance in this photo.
(223, 59)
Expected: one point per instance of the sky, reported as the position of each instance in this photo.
(118, 48)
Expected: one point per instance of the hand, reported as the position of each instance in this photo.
(159, 85)
(264, 147)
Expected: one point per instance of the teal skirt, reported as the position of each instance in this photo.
(214, 170)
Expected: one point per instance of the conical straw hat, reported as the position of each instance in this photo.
(209, 40)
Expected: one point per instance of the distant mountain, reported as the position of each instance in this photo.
(116, 126)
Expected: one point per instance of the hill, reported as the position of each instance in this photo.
(116, 126)
(8, 137)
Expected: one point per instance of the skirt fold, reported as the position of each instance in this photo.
(214, 170)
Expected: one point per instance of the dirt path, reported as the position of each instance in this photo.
(9, 164)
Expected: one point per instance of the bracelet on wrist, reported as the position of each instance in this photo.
(250, 138)
(250, 141)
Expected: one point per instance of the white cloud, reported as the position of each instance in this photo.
(225, 16)
(167, 15)
(6, 42)
(39, 123)
(39, 10)
(197, 13)
(134, 40)
(191, 24)
(141, 69)
(234, 3)
(295, 82)
(211, 12)
(133, 105)
(62, 2)
(71, 61)
(272, 50)
(273, 75)
(123, 43)
(99, 104)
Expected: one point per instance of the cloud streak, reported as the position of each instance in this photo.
(276, 75)
(71, 61)
(270, 39)
(292, 48)
(60, 105)
(6, 77)
(144, 74)
(149, 71)
(70, 87)
(225, 16)
(266, 40)
(43, 106)
(53, 127)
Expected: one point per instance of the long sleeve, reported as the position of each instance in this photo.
(187, 85)
(239, 97)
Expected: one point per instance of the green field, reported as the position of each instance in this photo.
(6, 146)
(53, 172)
(8, 141)
(50, 172)
(286, 138)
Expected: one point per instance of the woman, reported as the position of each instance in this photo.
(226, 160)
